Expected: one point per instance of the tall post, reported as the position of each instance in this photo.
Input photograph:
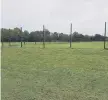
(105, 36)
(2, 38)
(71, 35)
(9, 38)
(21, 36)
(43, 36)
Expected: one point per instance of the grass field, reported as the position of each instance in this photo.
(91, 45)
(56, 72)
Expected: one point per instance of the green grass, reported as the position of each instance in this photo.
(93, 45)
(56, 72)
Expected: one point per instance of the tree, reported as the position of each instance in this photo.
(25, 36)
(37, 36)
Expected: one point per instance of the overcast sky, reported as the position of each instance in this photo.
(87, 16)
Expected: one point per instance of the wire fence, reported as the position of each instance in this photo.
(58, 44)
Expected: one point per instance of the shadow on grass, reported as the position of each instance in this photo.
(106, 48)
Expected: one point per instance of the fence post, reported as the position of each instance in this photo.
(105, 36)
(43, 36)
(21, 36)
(9, 38)
(2, 44)
(71, 35)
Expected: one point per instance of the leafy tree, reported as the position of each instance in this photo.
(37, 36)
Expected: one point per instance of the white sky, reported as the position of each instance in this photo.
(87, 16)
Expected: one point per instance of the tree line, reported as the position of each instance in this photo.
(16, 35)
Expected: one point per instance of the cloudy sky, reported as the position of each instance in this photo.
(87, 16)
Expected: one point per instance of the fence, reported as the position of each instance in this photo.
(74, 40)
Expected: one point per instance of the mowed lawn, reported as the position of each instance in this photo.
(55, 72)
